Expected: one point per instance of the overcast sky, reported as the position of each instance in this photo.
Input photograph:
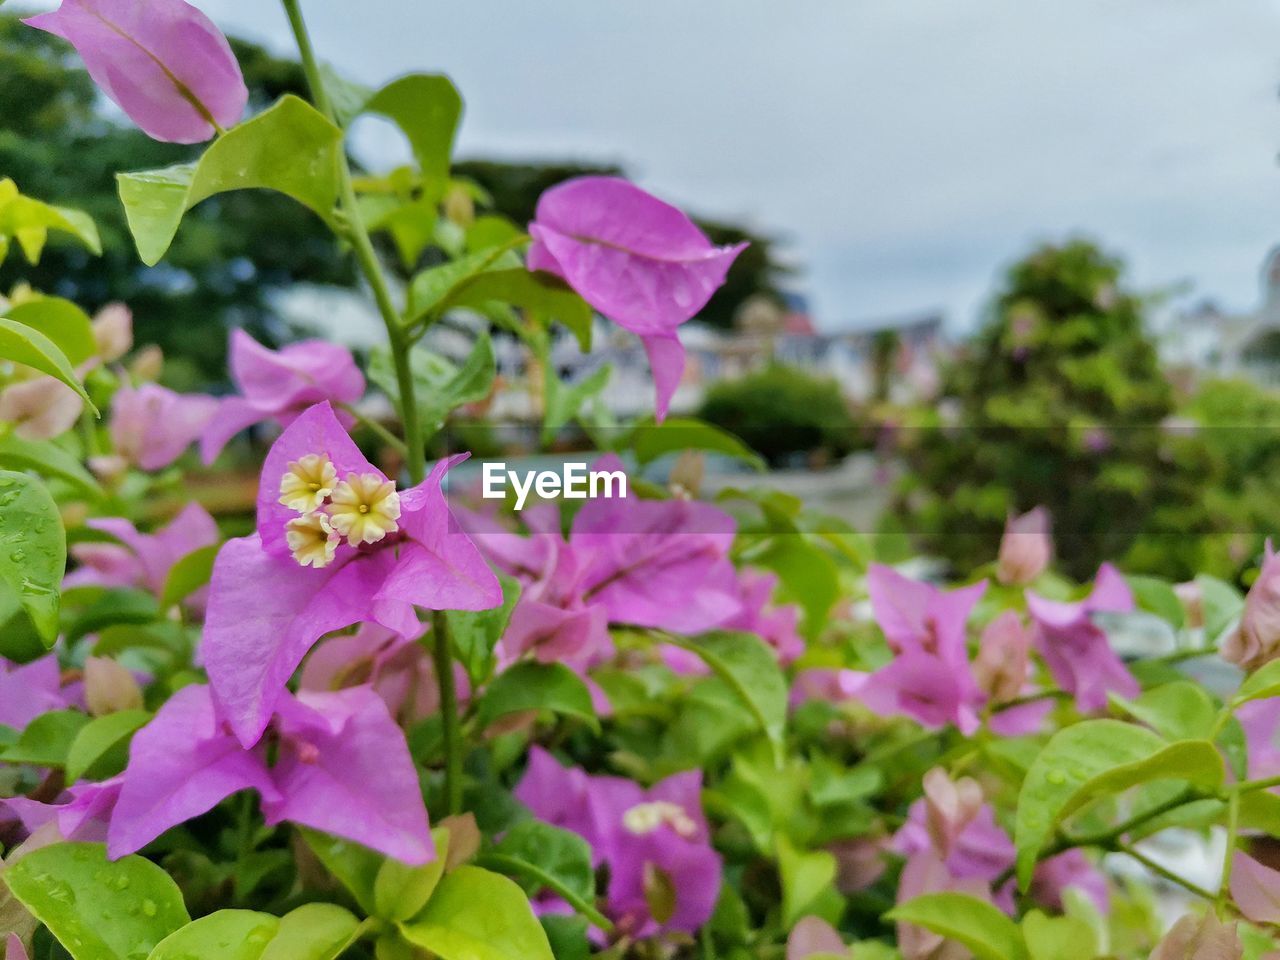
(904, 149)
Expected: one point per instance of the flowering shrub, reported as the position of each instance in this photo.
(383, 724)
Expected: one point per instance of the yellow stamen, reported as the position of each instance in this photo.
(648, 817)
(364, 508)
(308, 483)
(311, 539)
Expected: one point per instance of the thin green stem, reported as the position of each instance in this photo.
(385, 435)
(1228, 857)
(443, 658)
(1164, 872)
(358, 236)
(506, 864)
(1251, 786)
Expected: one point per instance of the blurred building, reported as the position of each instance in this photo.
(1207, 339)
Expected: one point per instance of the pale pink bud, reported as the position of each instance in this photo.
(859, 862)
(40, 409)
(1192, 599)
(147, 364)
(814, 936)
(1200, 938)
(1001, 665)
(109, 687)
(1026, 548)
(949, 806)
(113, 331)
(1257, 640)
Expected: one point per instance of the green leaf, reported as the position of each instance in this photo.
(651, 441)
(30, 221)
(808, 878)
(478, 915)
(1222, 604)
(112, 608)
(400, 891)
(427, 108)
(563, 401)
(475, 634)
(1261, 684)
(567, 936)
(439, 385)
(1156, 596)
(33, 549)
(314, 931)
(187, 576)
(1090, 760)
(222, 935)
(808, 575)
(49, 460)
(65, 324)
(431, 290)
(1177, 711)
(1058, 938)
(536, 686)
(98, 909)
(47, 739)
(24, 344)
(973, 923)
(290, 148)
(355, 867)
(540, 295)
(550, 853)
(748, 665)
(100, 748)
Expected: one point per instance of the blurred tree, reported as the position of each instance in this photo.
(515, 188)
(1058, 402)
(780, 412)
(62, 143)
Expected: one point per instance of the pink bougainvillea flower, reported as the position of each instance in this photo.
(279, 385)
(398, 668)
(1076, 649)
(335, 545)
(1255, 889)
(639, 261)
(30, 689)
(814, 937)
(1003, 659)
(163, 62)
(13, 948)
(81, 814)
(1070, 869)
(341, 765)
(40, 408)
(1256, 640)
(140, 559)
(1202, 937)
(651, 840)
(1026, 548)
(1261, 722)
(151, 426)
(953, 821)
(918, 617)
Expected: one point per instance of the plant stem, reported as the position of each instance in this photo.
(1233, 828)
(443, 658)
(415, 445)
(1250, 786)
(507, 864)
(358, 236)
(1164, 872)
(385, 435)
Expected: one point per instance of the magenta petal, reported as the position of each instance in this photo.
(265, 613)
(13, 948)
(190, 530)
(315, 431)
(638, 260)
(234, 414)
(666, 360)
(439, 567)
(29, 690)
(345, 768)
(296, 376)
(152, 58)
(181, 764)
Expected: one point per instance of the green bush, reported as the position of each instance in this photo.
(1057, 401)
(780, 412)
